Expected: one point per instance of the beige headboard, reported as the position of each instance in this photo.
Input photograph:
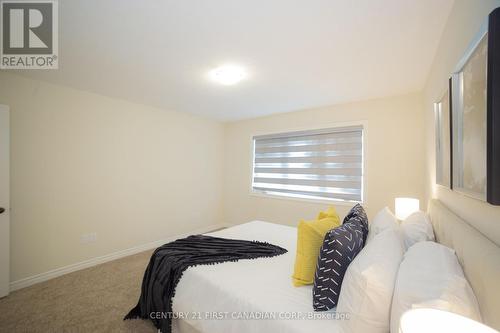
(479, 256)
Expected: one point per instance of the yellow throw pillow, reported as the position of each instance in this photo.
(330, 212)
(310, 235)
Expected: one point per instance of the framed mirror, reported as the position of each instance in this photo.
(469, 123)
(475, 91)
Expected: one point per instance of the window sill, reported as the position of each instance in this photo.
(314, 201)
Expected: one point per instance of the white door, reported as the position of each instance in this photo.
(4, 201)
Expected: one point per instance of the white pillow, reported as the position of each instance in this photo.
(368, 284)
(417, 228)
(383, 220)
(430, 276)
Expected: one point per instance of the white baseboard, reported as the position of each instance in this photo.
(31, 280)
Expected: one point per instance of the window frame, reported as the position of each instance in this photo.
(327, 126)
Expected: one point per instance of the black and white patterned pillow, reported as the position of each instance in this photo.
(357, 214)
(339, 248)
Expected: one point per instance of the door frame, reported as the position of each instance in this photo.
(5, 200)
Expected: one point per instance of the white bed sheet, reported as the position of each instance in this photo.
(250, 287)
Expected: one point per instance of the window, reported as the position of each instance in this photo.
(320, 164)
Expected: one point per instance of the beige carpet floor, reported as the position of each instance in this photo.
(91, 300)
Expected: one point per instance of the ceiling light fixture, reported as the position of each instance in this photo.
(228, 74)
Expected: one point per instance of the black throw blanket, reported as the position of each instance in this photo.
(169, 261)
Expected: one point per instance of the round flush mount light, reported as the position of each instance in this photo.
(228, 74)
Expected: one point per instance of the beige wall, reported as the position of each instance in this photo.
(394, 157)
(84, 163)
(463, 24)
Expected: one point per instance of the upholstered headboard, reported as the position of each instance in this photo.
(479, 256)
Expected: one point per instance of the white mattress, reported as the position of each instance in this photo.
(249, 287)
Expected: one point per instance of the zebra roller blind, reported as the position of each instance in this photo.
(319, 164)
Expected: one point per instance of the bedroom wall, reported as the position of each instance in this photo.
(84, 163)
(394, 157)
(463, 24)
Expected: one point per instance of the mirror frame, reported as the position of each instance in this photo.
(491, 28)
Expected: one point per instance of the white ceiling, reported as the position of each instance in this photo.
(299, 53)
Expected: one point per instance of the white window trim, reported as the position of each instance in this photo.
(364, 185)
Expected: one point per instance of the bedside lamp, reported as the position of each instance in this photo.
(434, 321)
(405, 207)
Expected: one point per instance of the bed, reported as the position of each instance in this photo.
(241, 289)
(263, 285)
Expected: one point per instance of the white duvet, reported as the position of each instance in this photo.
(250, 295)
